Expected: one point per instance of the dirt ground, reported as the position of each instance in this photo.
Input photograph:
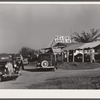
(30, 76)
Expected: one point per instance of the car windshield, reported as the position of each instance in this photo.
(4, 58)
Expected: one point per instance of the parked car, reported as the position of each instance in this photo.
(46, 60)
(8, 67)
(87, 58)
(97, 57)
(25, 61)
(78, 57)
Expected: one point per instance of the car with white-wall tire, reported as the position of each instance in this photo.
(46, 61)
(8, 67)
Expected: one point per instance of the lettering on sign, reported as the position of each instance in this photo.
(62, 39)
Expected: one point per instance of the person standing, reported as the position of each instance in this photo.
(21, 62)
(9, 67)
(92, 55)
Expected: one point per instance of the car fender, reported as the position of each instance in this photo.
(0, 73)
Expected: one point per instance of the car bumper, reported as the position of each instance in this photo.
(46, 67)
(7, 75)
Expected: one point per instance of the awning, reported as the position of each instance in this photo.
(60, 45)
(73, 46)
(90, 45)
(77, 46)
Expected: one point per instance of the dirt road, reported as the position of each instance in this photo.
(29, 77)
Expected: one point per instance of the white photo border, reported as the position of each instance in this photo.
(32, 93)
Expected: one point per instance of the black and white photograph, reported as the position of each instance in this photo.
(50, 46)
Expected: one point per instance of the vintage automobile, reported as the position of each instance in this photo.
(25, 61)
(8, 67)
(46, 60)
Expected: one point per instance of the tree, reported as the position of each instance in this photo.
(27, 52)
(86, 37)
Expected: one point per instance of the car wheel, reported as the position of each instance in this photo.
(44, 63)
(0, 78)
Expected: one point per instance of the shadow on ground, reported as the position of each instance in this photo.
(9, 78)
(40, 69)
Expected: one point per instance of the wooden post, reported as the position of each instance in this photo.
(91, 55)
(55, 58)
(51, 60)
(73, 55)
(83, 56)
(67, 56)
(62, 56)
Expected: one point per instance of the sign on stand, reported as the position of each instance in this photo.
(63, 39)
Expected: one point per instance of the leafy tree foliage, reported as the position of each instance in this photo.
(27, 52)
(86, 37)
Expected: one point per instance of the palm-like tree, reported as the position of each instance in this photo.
(86, 37)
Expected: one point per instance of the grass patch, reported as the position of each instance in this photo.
(73, 82)
(77, 65)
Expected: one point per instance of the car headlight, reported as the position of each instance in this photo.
(15, 65)
(6, 66)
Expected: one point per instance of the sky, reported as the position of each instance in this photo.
(36, 25)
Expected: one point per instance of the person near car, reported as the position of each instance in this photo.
(17, 63)
(21, 62)
(92, 55)
(9, 67)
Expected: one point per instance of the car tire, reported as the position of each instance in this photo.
(0, 78)
(44, 63)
